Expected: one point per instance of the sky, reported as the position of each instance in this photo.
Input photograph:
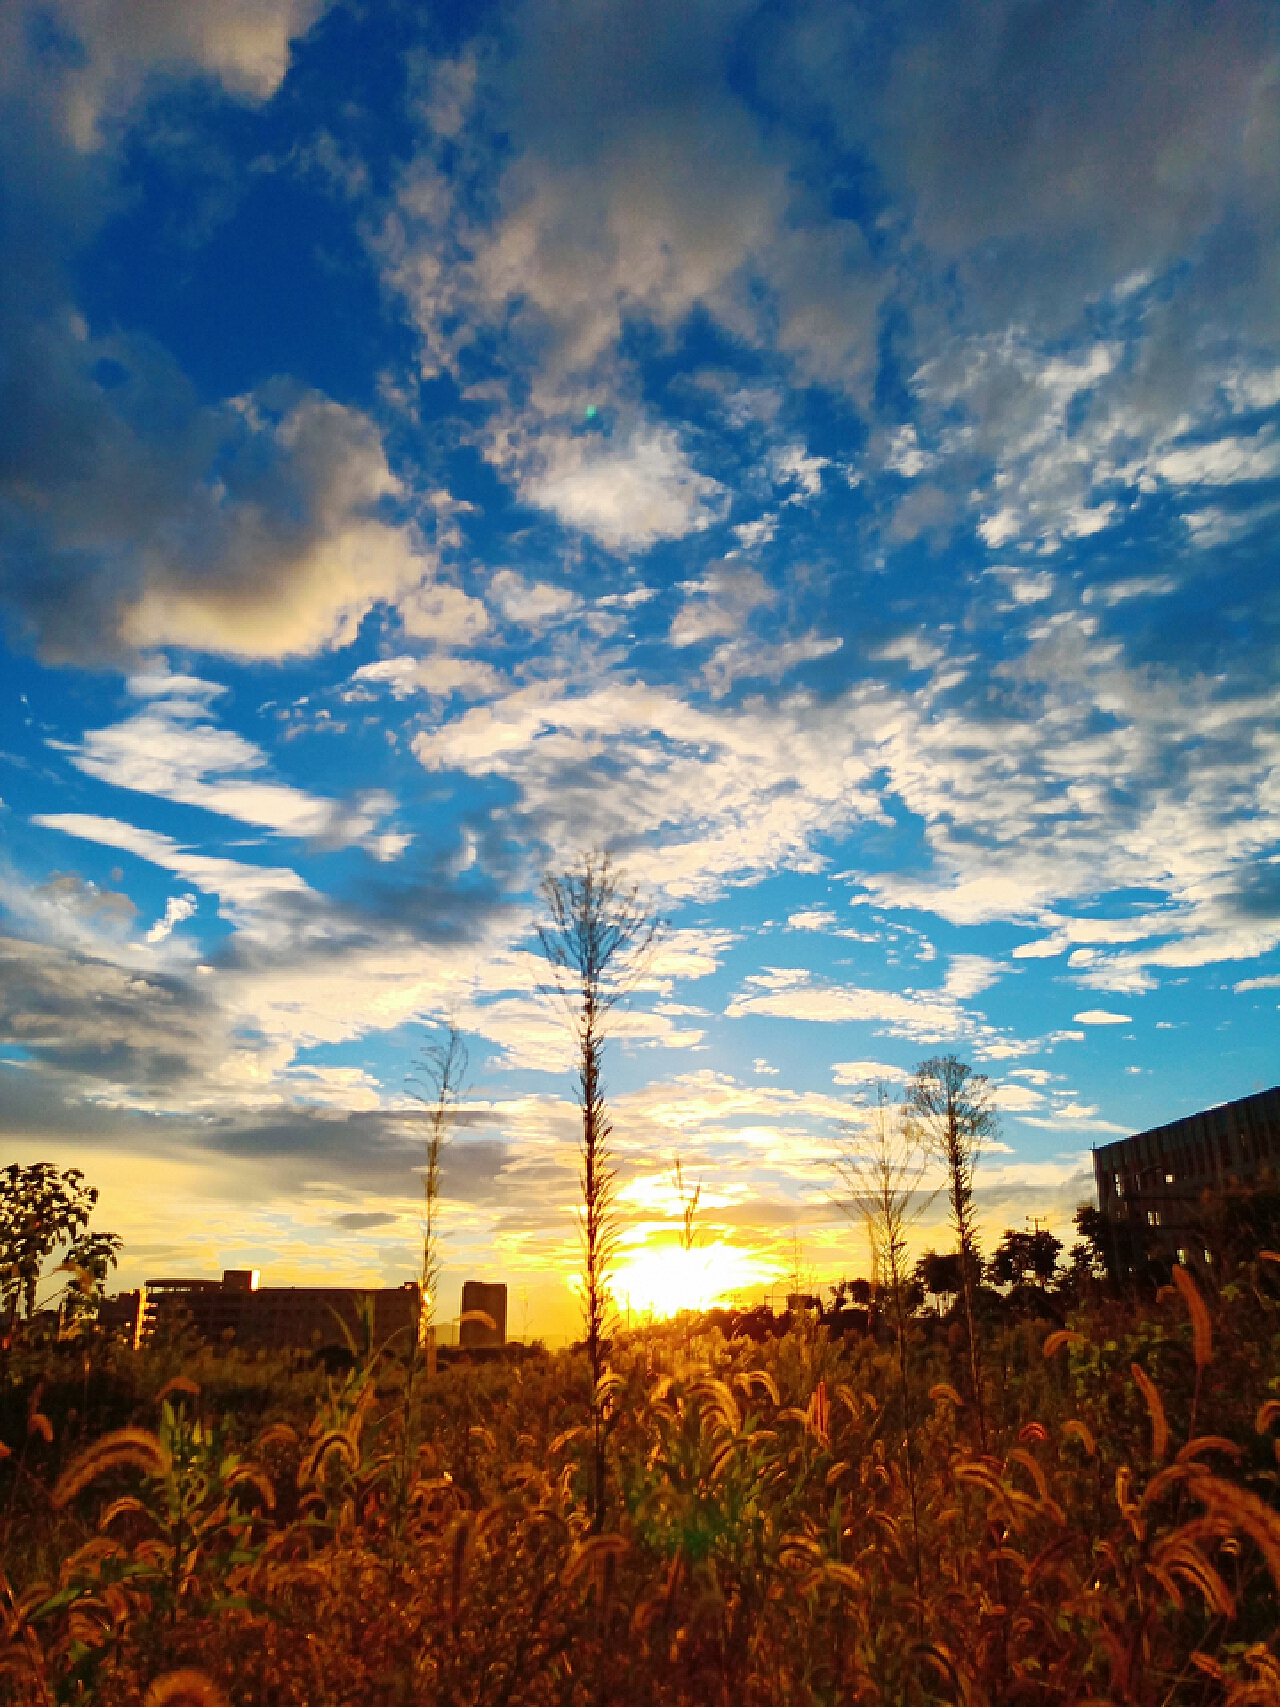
(826, 454)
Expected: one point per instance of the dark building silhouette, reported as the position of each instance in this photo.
(479, 1297)
(118, 1314)
(1156, 1189)
(277, 1317)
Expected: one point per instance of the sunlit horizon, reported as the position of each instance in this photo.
(660, 1278)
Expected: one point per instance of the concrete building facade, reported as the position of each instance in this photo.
(482, 1299)
(274, 1317)
(1154, 1186)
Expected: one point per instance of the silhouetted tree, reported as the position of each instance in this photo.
(87, 1261)
(1095, 1256)
(939, 1273)
(41, 1209)
(882, 1170)
(950, 1112)
(597, 940)
(1235, 1223)
(438, 1082)
(689, 1198)
(1024, 1257)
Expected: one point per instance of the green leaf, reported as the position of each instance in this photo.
(55, 1603)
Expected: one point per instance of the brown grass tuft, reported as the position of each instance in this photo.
(1064, 1336)
(1208, 1443)
(482, 1316)
(1245, 1512)
(126, 1505)
(462, 1537)
(1155, 1408)
(279, 1434)
(185, 1688)
(1082, 1433)
(750, 1380)
(1201, 1326)
(944, 1390)
(136, 1447)
(179, 1384)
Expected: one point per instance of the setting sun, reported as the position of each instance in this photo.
(662, 1280)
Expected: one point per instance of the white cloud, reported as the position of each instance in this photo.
(867, 1073)
(692, 952)
(1222, 462)
(811, 919)
(746, 659)
(1044, 949)
(1113, 158)
(1072, 1118)
(717, 790)
(1025, 587)
(439, 675)
(792, 465)
(905, 455)
(283, 588)
(531, 604)
(177, 909)
(1100, 1016)
(620, 180)
(1139, 587)
(628, 494)
(751, 534)
(719, 604)
(243, 43)
(251, 528)
(247, 892)
(441, 613)
(1020, 817)
(1065, 433)
(1017, 1099)
(790, 994)
(918, 650)
(1270, 983)
(970, 974)
(301, 974)
(172, 750)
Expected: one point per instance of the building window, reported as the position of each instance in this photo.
(1168, 1179)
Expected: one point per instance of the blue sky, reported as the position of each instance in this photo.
(827, 454)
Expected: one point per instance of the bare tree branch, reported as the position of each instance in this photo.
(438, 1082)
(882, 1170)
(950, 1111)
(597, 943)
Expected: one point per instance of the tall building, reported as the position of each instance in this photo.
(483, 1303)
(1154, 1188)
(274, 1316)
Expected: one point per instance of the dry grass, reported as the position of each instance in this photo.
(759, 1549)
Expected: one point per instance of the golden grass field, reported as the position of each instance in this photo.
(187, 1525)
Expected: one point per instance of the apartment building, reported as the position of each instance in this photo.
(1155, 1189)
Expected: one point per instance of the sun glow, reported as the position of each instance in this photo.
(662, 1280)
